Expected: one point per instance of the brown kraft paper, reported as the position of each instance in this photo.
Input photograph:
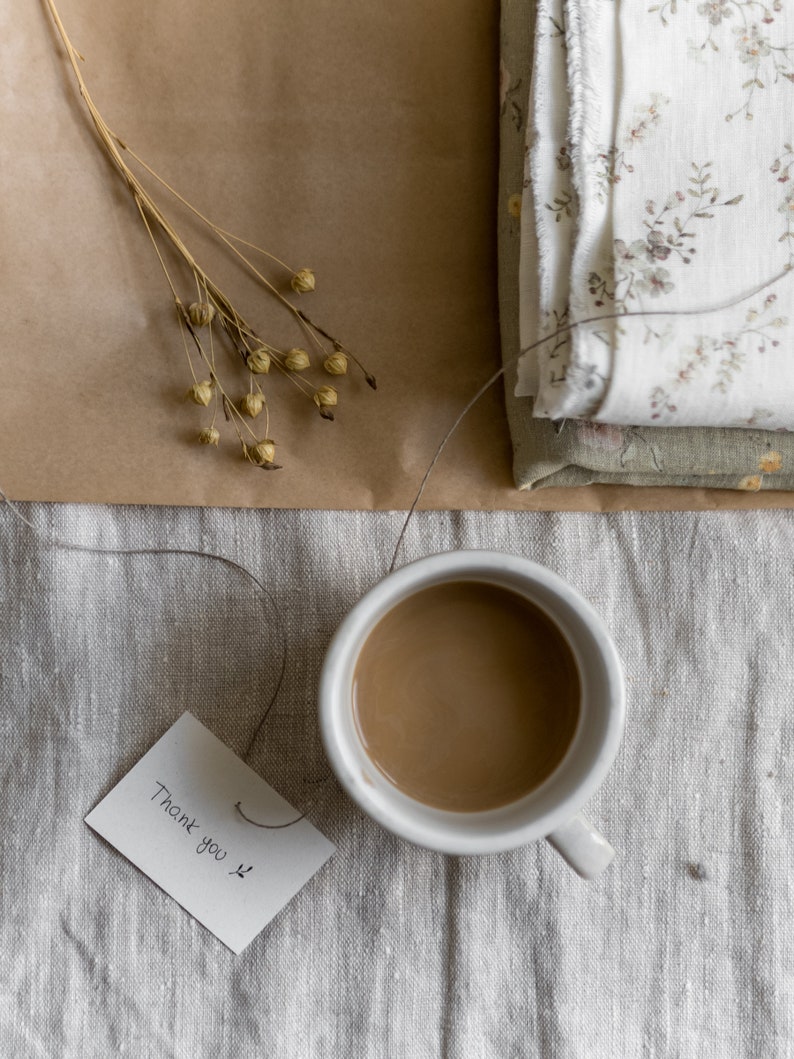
(358, 139)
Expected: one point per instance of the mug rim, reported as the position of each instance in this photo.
(333, 687)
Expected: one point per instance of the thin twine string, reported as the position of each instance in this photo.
(91, 549)
(565, 329)
(483, 389)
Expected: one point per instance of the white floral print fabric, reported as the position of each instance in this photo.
(660, 180)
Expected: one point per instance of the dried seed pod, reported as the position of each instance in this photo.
(303, 281)
(336, 364)
(296, 360)
(325, 397)
(209, 436)
(200, 392)
(201, 314)
(258, 362)
(261, 453)
(252, 404)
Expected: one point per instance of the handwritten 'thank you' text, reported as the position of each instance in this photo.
(165, 801)
(174, 811)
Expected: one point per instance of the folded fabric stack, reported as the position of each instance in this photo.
(647, 187)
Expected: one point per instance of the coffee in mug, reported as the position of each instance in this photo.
(466, 696)
(472, 702)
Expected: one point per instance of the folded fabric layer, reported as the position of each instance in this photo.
(584, 453)
(659, 203)
(579, 452)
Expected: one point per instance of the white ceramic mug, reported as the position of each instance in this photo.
(549, 811)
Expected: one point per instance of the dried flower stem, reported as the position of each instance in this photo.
(229, 238)
(370, 379)
(215, 227)
(211, 299)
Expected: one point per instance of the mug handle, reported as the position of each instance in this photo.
(582, 846)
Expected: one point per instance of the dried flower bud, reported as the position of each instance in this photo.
(336, 364)
(296, 360)
(261, 453)
(252, 404)
(303, 281)
(201, 314)
(209, 436)
(258, 362)
(201, 392)
(325, 397)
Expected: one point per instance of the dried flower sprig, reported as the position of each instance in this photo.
(213, 311)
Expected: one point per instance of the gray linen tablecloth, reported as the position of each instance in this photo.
(682, 949)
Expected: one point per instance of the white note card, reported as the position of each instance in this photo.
(173, 815)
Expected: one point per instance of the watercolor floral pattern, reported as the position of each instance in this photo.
(764, 58)
(509, 96)
(782, 167)
(557, 31)
(557, 343)
(638, 267)
(628, 442)
(562, 205)
(612, 162)
(657, 225)
(728, 352)
(770, 462)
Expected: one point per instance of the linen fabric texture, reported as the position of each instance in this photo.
(538, 202)
(680, 949)
(645, 202)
